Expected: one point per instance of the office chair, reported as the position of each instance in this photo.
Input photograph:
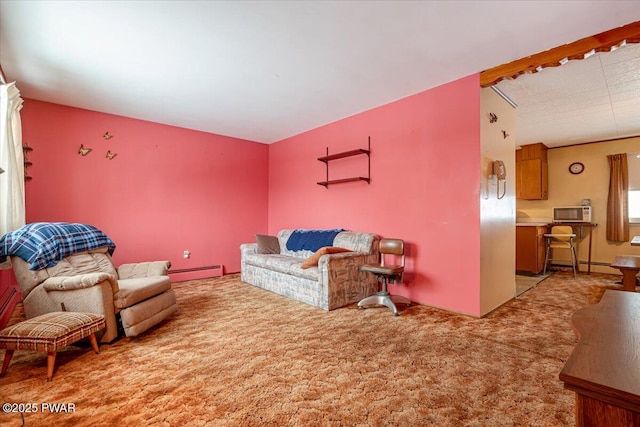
(561, 237)
(386, 274)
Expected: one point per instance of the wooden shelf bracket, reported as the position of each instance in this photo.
(360, 151)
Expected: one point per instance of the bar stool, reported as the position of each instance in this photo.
(561, 237)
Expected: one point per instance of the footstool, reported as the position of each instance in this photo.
(49, 332)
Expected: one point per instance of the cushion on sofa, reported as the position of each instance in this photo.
(357, 241)
(282, 264)
(312, 261)
(353, 240)
(267, 244)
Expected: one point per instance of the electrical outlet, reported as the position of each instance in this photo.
(186, 254)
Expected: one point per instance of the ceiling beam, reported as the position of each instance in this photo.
(580, 49)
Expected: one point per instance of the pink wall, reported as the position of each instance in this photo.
(171, 189)
(425, 177)
(167, 190)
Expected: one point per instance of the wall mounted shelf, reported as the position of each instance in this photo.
(327, 158)
(360, 151)
(25, 152)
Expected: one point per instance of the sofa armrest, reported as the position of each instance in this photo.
(248, 249)
(143, 269)
(342, 260)
(81, 281)
(342, 280)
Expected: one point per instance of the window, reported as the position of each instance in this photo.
(633, 163)
(634, 206)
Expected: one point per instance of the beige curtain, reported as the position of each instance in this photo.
(618, 201)
(12, 202)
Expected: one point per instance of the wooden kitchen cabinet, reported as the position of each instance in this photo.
(532, 172)
(530, 248)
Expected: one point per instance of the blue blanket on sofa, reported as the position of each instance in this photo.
(43, 244)
(311, 240)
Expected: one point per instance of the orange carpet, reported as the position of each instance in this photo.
(236, 355)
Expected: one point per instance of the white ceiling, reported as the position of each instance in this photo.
(268, 70)
(594, 99)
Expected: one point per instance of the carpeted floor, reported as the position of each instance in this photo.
(236, 355)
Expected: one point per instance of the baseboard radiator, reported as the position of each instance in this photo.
(603, 264)
(199, 272)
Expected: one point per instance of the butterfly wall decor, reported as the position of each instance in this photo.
(111, 155)
(84, 151)
(107, 136)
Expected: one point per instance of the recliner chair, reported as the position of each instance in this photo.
(137, 296)
(67, 267)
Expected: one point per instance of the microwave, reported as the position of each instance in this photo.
(572, 214)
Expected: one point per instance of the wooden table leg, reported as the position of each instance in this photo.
(94, 343)
(51, 361)
(629, 279)
(577, 246)
(589, 258)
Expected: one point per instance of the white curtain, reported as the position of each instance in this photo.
(12, 209)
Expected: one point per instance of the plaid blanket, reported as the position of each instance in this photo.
(43, 244)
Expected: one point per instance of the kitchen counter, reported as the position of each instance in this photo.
(523, 224)
(525, 221)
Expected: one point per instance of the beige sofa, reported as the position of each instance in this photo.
(134, 296)
(335, 282)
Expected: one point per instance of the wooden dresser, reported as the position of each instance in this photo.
(604, 367)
